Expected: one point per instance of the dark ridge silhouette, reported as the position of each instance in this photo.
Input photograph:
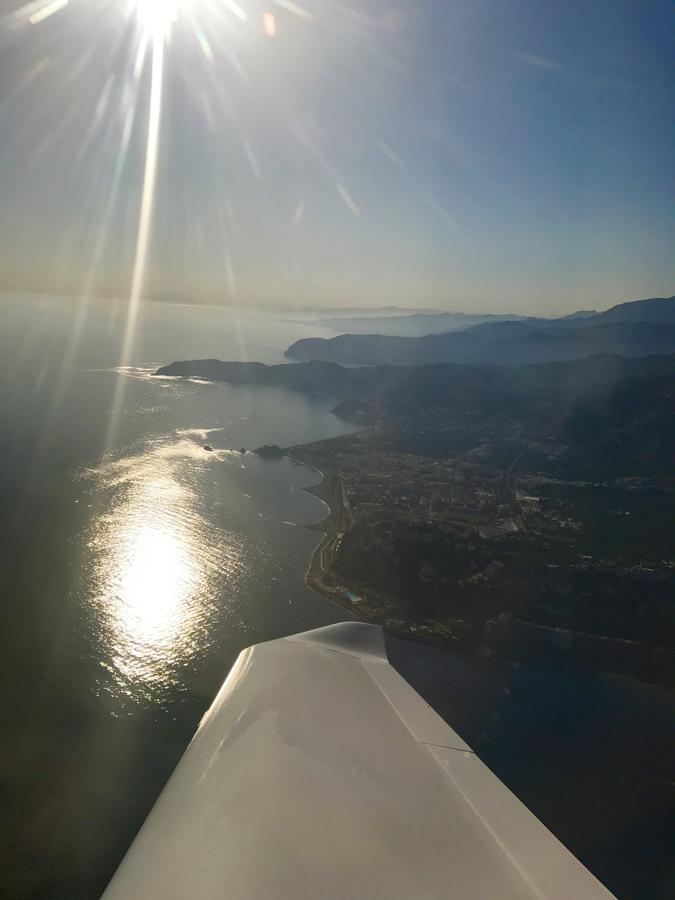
(641, 328)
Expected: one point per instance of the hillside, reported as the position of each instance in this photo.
(612, 413)
(435, 383)
(658, 309)
(505, 344)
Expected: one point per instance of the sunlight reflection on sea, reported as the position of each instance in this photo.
(158, 563)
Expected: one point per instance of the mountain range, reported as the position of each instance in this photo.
(416, 323)
(638, 328)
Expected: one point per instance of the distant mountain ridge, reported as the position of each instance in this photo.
(434, 383)
(660, 310)
(422, 322)
(647, 327)
(358, 313)
(579, 314)
(612, 411)
(409, 325)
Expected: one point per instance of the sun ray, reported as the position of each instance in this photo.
(144, 220)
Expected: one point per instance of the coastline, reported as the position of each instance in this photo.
(366, 606)
(318, 575)
(330, 574)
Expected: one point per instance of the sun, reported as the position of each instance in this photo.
(155, 17)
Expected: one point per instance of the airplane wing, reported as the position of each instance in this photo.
(318, 772)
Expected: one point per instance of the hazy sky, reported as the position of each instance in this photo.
(467, 154)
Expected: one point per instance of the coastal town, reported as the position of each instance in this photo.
(461, 549)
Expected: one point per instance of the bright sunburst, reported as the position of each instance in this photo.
(156, 17)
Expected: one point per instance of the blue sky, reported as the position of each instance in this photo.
(467, 154)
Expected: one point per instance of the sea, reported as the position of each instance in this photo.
(135, 564)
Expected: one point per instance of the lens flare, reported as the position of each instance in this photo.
(156, 17)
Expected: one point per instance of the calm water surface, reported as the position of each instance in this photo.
(135, 565)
